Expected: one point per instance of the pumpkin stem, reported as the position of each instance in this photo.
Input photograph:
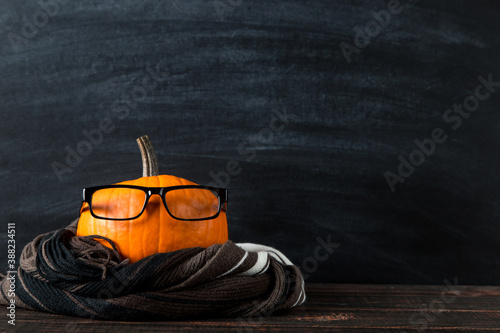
(149, 161)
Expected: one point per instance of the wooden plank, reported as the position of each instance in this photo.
(329, 308)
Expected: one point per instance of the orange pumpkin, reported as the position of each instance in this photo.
(155, 231)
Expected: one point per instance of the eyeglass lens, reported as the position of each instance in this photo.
(127, 203)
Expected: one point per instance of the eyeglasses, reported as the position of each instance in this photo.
(128, 202)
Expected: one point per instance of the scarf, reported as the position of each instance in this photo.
(62, 273)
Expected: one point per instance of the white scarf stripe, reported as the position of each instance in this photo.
(263, 262)
(260, 265)
(251, 247)
(236, 266)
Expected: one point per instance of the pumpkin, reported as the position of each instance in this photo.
(155, 231)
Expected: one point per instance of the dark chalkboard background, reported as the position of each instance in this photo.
(226, 67)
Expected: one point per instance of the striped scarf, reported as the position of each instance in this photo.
(78, 276)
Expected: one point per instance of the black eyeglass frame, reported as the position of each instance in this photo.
(222, 193)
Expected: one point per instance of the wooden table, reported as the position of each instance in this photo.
(329, 308)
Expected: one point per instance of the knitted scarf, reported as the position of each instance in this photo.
(78, 276)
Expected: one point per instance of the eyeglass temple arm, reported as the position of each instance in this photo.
(224, 196)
